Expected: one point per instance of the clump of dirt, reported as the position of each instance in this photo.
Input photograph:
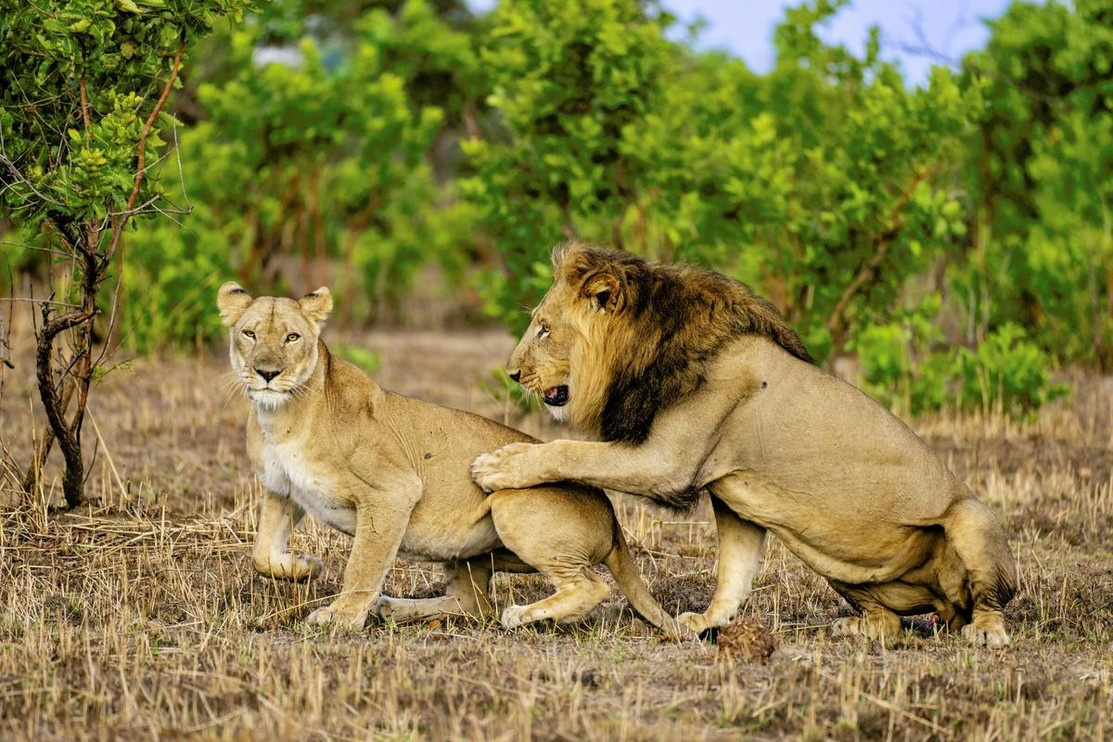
(748, 639)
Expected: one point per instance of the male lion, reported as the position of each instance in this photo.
(393, 472)
(694, 383)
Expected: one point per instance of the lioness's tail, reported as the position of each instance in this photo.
(621, 564)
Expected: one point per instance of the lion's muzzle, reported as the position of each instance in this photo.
(556, 396)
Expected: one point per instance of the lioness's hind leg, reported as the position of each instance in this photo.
(877, 624)
(575, 596)
(465, 594)
(978, 539)
(560, 532)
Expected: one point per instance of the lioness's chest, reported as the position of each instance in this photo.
(288, 471)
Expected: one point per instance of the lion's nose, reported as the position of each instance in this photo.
(514, 375)
(267, 375)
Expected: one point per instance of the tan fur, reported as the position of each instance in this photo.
(393, 472)
(781, 446)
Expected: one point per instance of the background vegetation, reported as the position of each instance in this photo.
(955, 237)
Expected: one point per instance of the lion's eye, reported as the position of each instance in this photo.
(249, 334)
(293, 337)
(542, 332)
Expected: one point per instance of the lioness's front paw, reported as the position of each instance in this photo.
(289, 566)
(344, 617)
(308, 567)
(504, 469)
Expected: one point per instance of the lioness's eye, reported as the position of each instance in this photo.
(542, 332)
(293, 337)
(249, 334)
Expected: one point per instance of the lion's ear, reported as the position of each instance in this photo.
(605, 292)
(316, 305)
(557, 256)
(232, 301)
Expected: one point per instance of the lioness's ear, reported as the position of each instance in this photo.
(317, 305)
(604, 290)
(232, 301)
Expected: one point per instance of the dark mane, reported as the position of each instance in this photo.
(687, 315)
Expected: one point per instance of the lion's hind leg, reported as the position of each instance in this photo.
(876, 622)
(974, 534)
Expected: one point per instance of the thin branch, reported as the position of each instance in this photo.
(20, 179)
(137, 210)
(85, 111)
(884, 242)
(55, 302)
(181, 173)
(142, 147)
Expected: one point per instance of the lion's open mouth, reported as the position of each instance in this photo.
(557, 396)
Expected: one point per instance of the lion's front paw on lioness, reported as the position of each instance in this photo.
(504, 469)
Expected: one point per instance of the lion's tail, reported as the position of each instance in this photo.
(621, 564)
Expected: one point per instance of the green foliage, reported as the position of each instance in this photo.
(82, 85)
(322, 158)
(367, 360)
(889, 221)
(1039, 173)
(900, 366)
(905, 368)
(568, 82)
(1007, 373)
(824, 183)
(77, 81)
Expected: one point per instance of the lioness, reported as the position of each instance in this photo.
(694, 383)
(393, 472)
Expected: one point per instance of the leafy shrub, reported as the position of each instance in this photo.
(904, 368)
(1007, 373)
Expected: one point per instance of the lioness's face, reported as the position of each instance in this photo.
(542, 361)
(273, 341)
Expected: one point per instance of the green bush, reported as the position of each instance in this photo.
(1008, 373)
(905, 367)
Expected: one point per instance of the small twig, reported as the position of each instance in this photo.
(884, 243)
(138, 209)
(55, 302)
(20, 179)
(141, 149)
(85, 110)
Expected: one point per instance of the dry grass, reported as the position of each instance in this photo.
(140, 617)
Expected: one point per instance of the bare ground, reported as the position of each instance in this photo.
(139, 616)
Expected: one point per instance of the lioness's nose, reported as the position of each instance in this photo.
(267, 375)
(514, 375)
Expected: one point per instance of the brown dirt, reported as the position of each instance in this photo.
(140, 616)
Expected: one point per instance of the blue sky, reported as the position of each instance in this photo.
(745, 27)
